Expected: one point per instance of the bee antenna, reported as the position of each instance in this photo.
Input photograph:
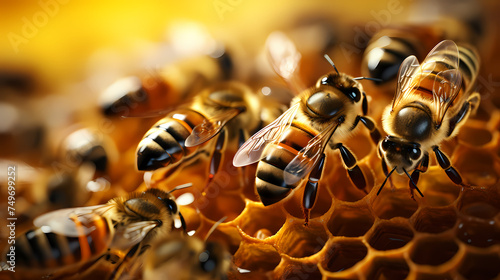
(413, 183)
(180, 187)
(370, 79)
(212, 229)
(387, 177)
(331, 63)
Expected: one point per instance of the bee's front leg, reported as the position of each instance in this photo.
(445, 163)
(370, 125)
(355, 173)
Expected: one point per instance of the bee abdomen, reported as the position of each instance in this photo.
(164, 142)
(270, 183)
(387, 51)
(39, 248)
(469, 65)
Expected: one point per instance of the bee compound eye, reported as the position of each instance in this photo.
(172, 205)
(414, 153)
(385, 145)
(353, 93)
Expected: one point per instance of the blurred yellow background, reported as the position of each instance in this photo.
(56, 38)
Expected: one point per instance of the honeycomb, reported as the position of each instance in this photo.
(453, 232)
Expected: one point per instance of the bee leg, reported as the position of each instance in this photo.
(415, 175)
(444, 162)
(311, 188)
(117, 272)
(183, 222)
(353, 169)
(370, 125)
(385, 169)
(364, 105)
(216, 159)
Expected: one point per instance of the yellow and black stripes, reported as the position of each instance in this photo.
(164, 142)
(270, 183)
(40, 248)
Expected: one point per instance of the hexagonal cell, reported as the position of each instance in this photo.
(301, 241)
(438, 189)
(350, 220)
(343, 254)
(389, 235)
(479, 203)
(434, 220)
(480, 266)
(433, 250)
(478, 233)
(256, 257)
(388, 268)
(296, 269)
(474, 136)
(219, 206)
(262, 219)
(477, 166)
(394, 203)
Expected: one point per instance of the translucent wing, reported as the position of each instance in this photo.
(251, 150)
(305, 160)
(128, 236)
(407, 79)
(210, 127)
(62, 221)
(445, 90)
(442, 64)
(284, 58)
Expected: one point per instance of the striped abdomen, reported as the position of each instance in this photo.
(164, 144)
(390, 47)
(444, 60)
(40, 248)
(269, 180)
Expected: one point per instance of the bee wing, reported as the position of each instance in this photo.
(407, 79)
(444, 59)
(132, 234)
(284, 58)
(251, 150)
(210, 127)
(307, 157)
(63, 221)
(444, 91)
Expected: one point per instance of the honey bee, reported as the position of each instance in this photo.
(73, 240)
(180, 256)
(433, 100)
(156, 92)
(293, 146)
(226, 111)
(391, 46)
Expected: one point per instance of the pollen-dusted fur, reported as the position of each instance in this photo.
(236, 95)
(120, 215)
(350, 109)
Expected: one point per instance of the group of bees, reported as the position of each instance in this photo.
(281, 149)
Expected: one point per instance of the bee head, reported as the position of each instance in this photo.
(400, 154)
(226, 95)
(344, 83)
(148, 205)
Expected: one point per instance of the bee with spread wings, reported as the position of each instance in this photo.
(293, 146)
(76, 242)
(433, 100)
